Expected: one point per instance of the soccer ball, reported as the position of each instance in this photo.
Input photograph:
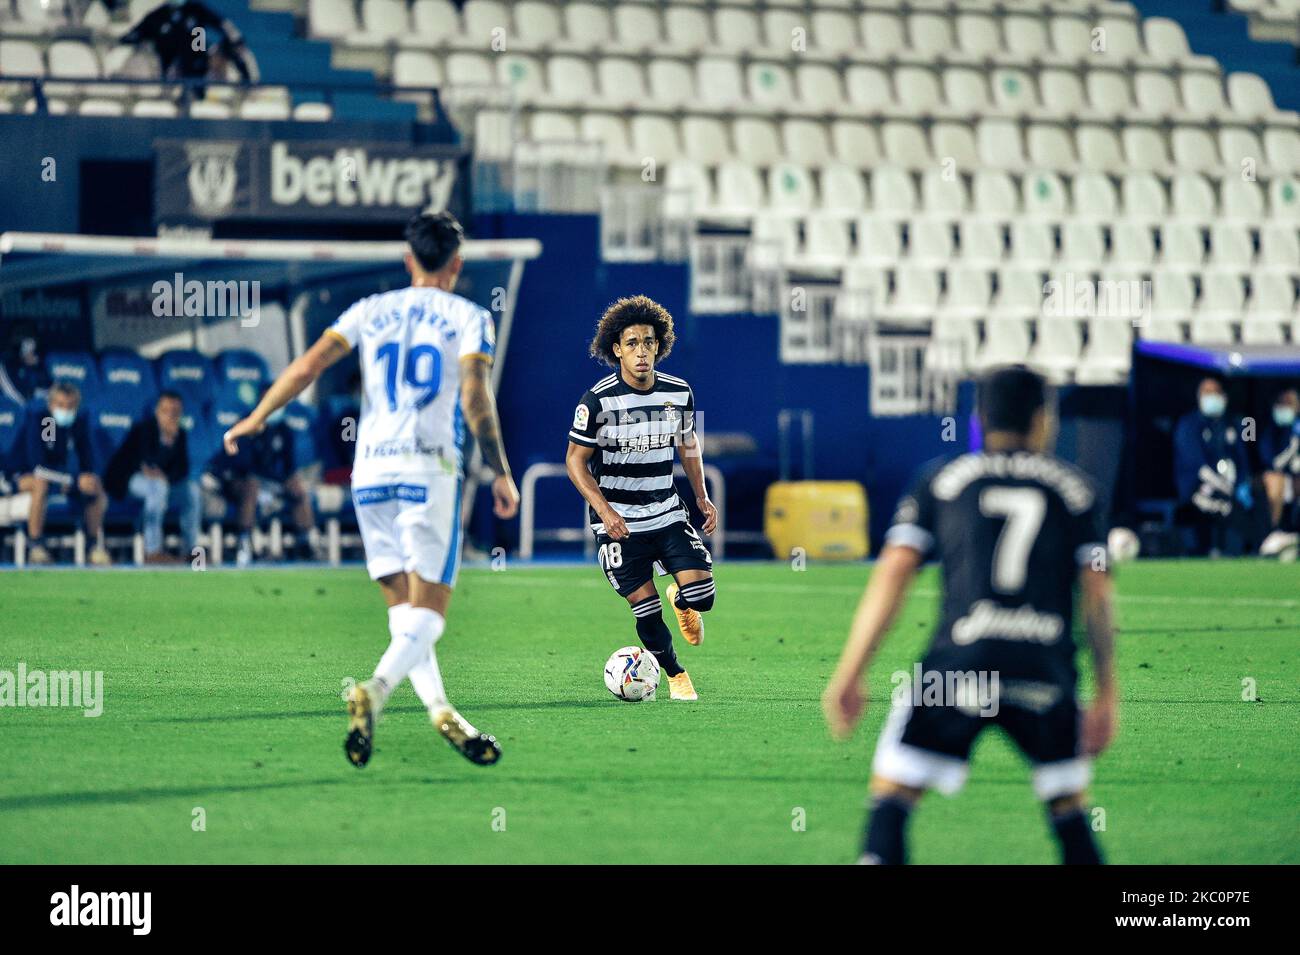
(632, 674)
(1123, 545)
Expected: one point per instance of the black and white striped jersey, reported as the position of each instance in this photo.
(635, 434)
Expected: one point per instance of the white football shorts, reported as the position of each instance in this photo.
(411, 523)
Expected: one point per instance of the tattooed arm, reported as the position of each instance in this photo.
(480, 408)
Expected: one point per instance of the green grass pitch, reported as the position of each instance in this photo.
(222, 694)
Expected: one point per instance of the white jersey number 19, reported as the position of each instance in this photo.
(1023, 508)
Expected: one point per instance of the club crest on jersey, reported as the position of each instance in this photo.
(580, 418)
(671, 414)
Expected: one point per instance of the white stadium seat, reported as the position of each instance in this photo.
(1032, 244)
(1062, 92)
(905, 144)
(855, 143)
(883, 35)
(736, 29)
(999, 144)
(537, 25)
(1191, 197)
(739, 190)
(1094, 197)
(879, 241)
(843, 190)
(656, 138)
(770, 86)
(756, 141)
(994, 194)
(719, 83)
(1194, 148)
(942, 195)
(1181, 246)
(1143, 196)
(1230, 246)
(672, 83)
(819, 87)
(869, 89)
(980, 242)
(434, 22)
(970, 289)
(587, 25)
(415, 68)
(384, 19)
(1279, 246)
(1026, 37)
(790, 188)
(1133, 244)
(637, 26)
(611, 132)
(892, 192)
(1282, 147)
(705, 140)
(1043, 195)
(806, 141)
(569, 80)
(686, 29)
(930, 242)
(622, 82)
(834, 31)
(331, 18)
(1250, 96)
(1014, 92)
(1241, 200)
(1202, 94)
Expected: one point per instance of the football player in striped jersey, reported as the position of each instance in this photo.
(627, 433)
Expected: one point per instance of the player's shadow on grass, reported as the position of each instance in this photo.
(147, 793)
(313, 714)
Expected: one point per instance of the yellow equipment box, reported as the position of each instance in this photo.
(826, 519)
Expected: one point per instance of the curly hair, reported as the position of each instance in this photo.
(635, 310)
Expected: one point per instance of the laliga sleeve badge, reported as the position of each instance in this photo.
(580, 416)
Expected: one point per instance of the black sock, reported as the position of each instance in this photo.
(1077, 845)
(655, 635)
(697, 595)
(886, 842)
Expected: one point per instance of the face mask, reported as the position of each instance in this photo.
(1213, 405)
(1284, 416)
(64, 417)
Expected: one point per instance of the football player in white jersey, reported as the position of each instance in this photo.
(426, 356)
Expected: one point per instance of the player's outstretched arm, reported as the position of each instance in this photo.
(577, 462)
(302, 371)
(693, 464)
(480, 408)
(845, 699)
(1101, 718)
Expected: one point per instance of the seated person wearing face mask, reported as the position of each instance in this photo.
(1210, 469)
(55, 438)
(1279, 452)
(267, 463)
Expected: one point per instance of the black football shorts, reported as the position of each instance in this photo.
(629, 563)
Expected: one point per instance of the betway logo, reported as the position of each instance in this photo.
(350, 177)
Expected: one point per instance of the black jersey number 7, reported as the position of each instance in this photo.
(1022, 510)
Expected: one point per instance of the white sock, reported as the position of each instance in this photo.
(426, 678)
(414, 631)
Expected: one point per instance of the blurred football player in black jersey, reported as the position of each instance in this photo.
(1015, 529)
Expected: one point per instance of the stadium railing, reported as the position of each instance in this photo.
(529, 535)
